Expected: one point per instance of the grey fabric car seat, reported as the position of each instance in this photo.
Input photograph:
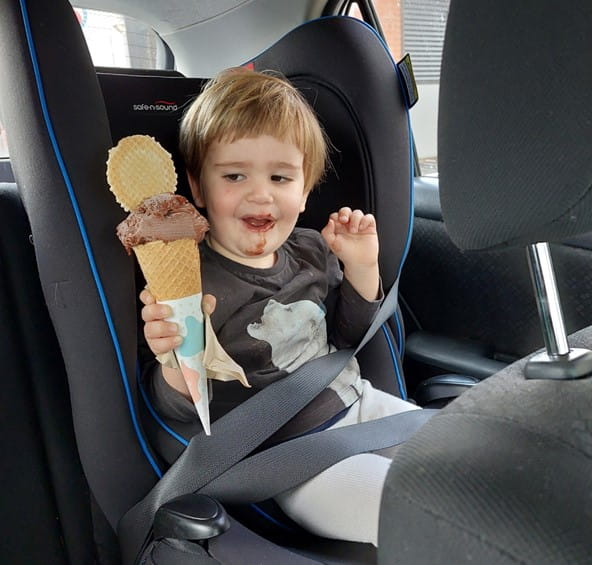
(45, 510)
(507, 467)
(87, 279)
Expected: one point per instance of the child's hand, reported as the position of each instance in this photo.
(163, 336)
(352, 236)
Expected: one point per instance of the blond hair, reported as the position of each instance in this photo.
(240, 103)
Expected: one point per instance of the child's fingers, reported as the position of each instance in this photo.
(146, 297)
(159, 329)
(162, 337)
(155, 311)
(354, 221)
(367, 222)
(344, 215)
(208, 304)
(328, 232)
(161, 345)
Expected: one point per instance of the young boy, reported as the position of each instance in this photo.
(254, 150)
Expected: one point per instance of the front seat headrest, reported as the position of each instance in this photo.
(515, 122)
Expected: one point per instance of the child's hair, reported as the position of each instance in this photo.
(239, 103)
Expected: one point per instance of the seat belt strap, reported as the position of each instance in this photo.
(256, 478)
(241, 431)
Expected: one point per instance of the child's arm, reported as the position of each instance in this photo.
(162, 336)
(352, 236)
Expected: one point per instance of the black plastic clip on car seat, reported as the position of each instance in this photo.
(195, 517)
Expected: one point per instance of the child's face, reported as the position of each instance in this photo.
(253, 191)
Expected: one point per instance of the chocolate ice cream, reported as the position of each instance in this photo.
(164, 217)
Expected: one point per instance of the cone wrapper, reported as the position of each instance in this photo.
(219, 365)
(188, 315)
(200, 356)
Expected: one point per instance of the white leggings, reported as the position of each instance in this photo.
(343, 502)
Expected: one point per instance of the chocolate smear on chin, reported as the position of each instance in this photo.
(259, 248)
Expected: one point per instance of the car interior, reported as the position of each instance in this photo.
(507, 463)
(500, 474)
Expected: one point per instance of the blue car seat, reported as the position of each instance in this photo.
(88, 281)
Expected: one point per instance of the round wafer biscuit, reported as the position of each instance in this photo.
(139, 167)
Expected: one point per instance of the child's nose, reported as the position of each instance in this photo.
(260, 193)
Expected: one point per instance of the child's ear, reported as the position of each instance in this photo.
(196, 191)
(303, 202)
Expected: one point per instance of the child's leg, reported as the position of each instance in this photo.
(343, 502)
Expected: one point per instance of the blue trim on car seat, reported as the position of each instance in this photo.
(395, 359)
(154, 413)
(411, 164)
(394, 356)
(272, 519)
(83, 233)
(400, 334)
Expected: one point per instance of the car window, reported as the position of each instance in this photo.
(3, 142)
(417, 27)
(115, 40)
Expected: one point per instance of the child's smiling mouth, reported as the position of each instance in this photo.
(258, 223)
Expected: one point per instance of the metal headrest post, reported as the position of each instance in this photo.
(558, 361)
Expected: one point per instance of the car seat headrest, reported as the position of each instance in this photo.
(151, 105)
(515, 122)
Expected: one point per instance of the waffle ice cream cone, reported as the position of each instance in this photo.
(171, 269)
(163, 230)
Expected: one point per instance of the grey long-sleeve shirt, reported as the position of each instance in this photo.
(271, 321)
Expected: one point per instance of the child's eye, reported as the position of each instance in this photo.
(234, 177)
(280, 178)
